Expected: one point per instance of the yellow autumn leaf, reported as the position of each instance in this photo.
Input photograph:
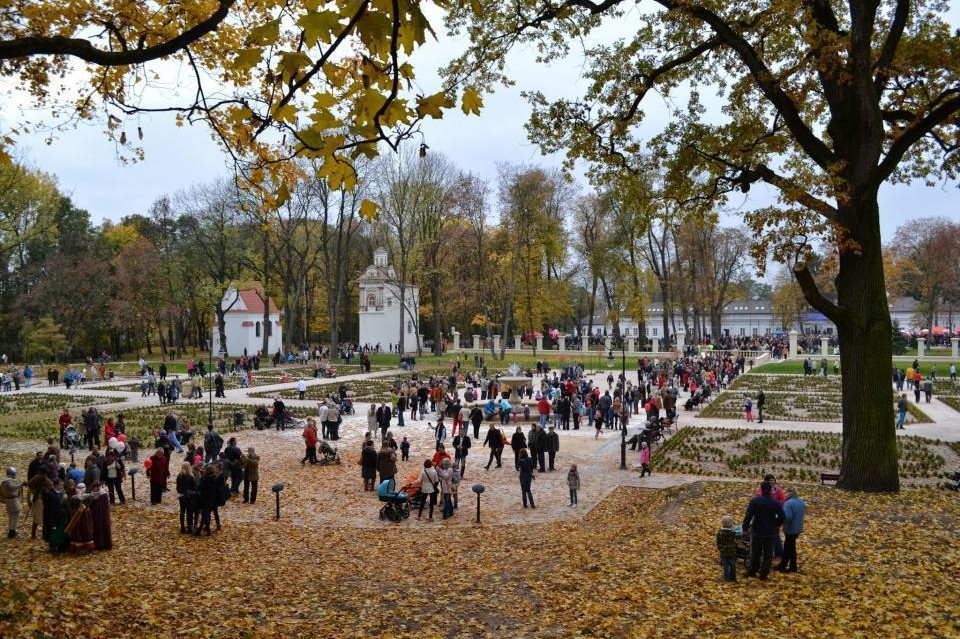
(248, 58)
(320, 26)
(368, 210)
(472, 102)
(264, 34)
(433, 105)
(286, 113)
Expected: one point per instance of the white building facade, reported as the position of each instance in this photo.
(245, 326)
(751, 318)
(381, 311)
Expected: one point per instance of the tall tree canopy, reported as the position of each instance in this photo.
(823, 100)
(273, 79)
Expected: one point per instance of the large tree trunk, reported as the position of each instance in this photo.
(869, 461)
(869, 449)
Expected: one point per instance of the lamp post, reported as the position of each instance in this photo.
(209, 386)
(277, 488)
(478, 488)
(133, 481)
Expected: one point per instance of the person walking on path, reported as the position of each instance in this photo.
(476, 418)
(310, 440)
(368, 465)
(645, 460)
(794, 510)
(461, 448)
(10, 492)
(429, 480)
(748, 407)
(761, 400)
(212, 443)
(386, 462)
(495, 441)
(158, 471)
(526, 477)
(573, 483)
(302, 389)
(763, 518)
(552, 439)
(445, 474)
(518, 442)
(384, 415)
(901, 410)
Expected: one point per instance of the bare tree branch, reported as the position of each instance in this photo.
(84, 50)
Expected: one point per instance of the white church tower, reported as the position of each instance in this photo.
(381, 310)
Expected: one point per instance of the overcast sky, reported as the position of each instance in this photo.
(85, 162)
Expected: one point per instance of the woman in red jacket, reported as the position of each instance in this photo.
(158, 472)
(109, 431)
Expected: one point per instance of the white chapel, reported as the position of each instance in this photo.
(381, 310)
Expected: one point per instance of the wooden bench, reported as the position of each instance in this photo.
(825, 477)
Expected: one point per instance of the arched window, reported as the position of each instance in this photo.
(371, 300)
(258, 329)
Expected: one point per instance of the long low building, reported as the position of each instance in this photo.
(750, 318)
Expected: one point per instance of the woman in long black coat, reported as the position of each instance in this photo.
(368, 465)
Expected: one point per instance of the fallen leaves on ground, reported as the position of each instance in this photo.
(642, 564)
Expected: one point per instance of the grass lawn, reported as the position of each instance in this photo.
(795, 367)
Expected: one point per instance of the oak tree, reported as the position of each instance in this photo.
(825, 101)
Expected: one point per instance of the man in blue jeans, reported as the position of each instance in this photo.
(901, 410)
(763, 519)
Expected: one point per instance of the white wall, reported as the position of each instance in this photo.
(383, 326)
(240, 337)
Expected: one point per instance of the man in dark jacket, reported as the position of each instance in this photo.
(280, 413)
(761, 401)
(495, 441)
(537, 442)
(233, 455)
(212, 443)
(384, 415)
(461, 447)
(552, 445)
(476, 418)
(763, 519)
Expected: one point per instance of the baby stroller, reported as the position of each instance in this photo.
(396, 502)
(330, 454)
(71, 437)
(346, 405)
(743, 544)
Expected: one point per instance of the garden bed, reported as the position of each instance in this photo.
(806, 406)
(791, 456)
(26, 403)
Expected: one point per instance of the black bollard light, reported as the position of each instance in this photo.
(276, 491)
(478, 488)
(133, 481)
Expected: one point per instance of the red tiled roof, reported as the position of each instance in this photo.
(253, 303)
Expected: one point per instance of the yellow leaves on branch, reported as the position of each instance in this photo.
(320, 26)
(433, 105)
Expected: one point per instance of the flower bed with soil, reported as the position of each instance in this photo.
(791, 456)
